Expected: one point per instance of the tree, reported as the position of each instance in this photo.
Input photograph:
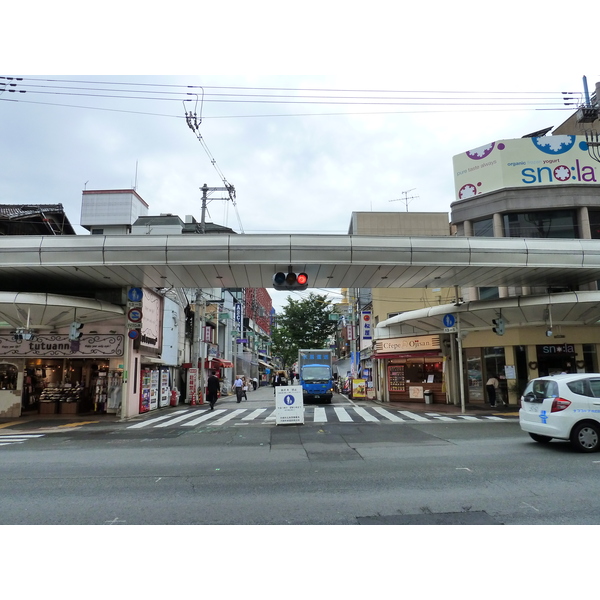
(304, 323)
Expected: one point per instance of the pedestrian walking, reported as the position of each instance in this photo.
(245, 388)
(491, 386)
(213, 386)
(276, 382)
(255, 383)
(238, 385)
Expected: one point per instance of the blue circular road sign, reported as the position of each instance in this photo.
(449, 320)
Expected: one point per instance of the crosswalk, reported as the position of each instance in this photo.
(317, 414)
(9, 439)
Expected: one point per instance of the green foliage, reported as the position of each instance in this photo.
(303, 324)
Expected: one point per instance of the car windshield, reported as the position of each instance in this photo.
(542, 388)
(315, 373)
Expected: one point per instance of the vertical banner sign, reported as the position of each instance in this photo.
(192, 386)
(350, 332)
(238, 316)
(289, 405)
(365, 324)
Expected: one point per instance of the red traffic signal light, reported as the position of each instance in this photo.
(290, 281)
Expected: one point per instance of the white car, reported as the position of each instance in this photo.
(563, 407)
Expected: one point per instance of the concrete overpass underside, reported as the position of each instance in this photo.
(71, 264)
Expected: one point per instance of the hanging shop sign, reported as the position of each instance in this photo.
(60, 345)
(365, 325)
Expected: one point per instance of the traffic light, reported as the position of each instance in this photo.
(290, 281)
(498, 328)
(75, 333)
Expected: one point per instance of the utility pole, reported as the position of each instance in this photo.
(205, 189)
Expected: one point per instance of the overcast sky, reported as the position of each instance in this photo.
(365, 108)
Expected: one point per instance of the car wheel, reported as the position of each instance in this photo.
(541, 439)
(585, 437)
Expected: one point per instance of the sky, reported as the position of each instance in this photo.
(310, 110)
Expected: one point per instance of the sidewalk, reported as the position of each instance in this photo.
(261, 397)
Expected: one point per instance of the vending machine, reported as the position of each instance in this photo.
(145, 387)
(154, 388)
(165, 390)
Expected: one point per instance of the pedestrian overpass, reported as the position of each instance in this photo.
(67, 264)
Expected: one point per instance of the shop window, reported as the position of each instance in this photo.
(590, 360)
(542, 224)
(396, 379)
(488, 293)
(8, 376)
(483, 228)
(494, 363)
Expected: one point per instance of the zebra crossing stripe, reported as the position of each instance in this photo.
(467, 417)
(440, 418)
(365, 415)
(342, 414)
(319, 415)
(206, 414)
(254, 414)
(387, 414)
(413, 416)
(231, 415)
(156, 420)
(272, 416)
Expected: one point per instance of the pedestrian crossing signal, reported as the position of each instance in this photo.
(290, 281)
(75, 332)
(498, 328)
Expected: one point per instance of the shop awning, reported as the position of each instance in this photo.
(219, 363)
(262, 363)
(152, 360)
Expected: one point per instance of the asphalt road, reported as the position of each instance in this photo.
(409, 472)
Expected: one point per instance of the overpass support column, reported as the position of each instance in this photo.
(499, 232)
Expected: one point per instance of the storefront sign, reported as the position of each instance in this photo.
(365, 323)
(192, 385)
(552, 160)
(60, 345)
(556, 349)
(359, 388)
(408, 344)
(151, 330)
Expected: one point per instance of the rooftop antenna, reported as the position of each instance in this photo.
(406, 198)
(136, 169)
